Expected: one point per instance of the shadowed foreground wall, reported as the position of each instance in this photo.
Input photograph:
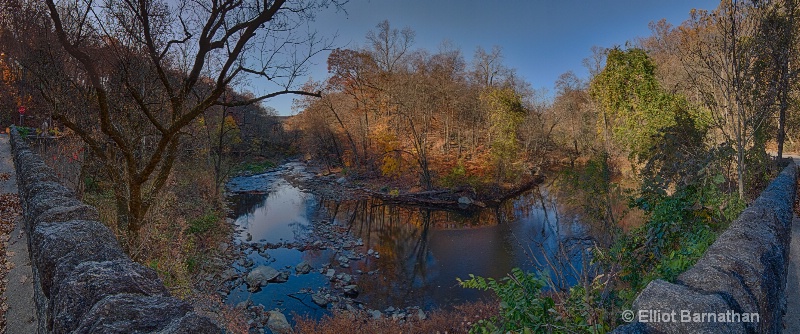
(83, 281)
(744, 271)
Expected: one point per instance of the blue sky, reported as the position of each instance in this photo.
(540, 39)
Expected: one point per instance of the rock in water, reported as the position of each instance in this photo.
(277, 323)
(341, 180)
(303, 268)
(281, 278)
(260, 276)
(319, 299)
(464, 200)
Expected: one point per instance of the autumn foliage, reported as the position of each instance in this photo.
(424, 119)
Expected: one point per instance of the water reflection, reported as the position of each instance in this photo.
(421, 251)
(279, 215)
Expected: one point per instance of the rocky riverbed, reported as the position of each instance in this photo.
(260, 262)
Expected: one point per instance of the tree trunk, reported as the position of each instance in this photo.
(781, 125)
(740, 170)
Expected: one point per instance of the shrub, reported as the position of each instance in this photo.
(203, 223)
(255, 167)
(526, 308)
(458, 176)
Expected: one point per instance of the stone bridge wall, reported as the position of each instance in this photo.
(743, 272)
(83, 281)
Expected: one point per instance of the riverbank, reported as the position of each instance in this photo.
(336, 184)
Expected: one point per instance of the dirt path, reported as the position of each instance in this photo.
(16, 305)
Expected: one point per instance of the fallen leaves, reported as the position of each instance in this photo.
(10, 211)
(9, 208)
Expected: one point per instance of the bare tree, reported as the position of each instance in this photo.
(389, 46)
(574, 117)
(720, 60)
(154, 66)
(488, 67)
(778, 38)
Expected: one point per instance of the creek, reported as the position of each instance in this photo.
(396, 256)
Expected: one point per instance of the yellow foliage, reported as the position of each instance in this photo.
(233, 128)
(389, 146)
(390, 165)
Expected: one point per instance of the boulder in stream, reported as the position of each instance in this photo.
(281, 278)
(303, 268)
(260, 276)
(320, 299)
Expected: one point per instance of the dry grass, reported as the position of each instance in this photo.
(165, 244)
(458, 320)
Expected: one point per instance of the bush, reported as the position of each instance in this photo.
(203, 223)
(458, 177)
(90, 184)
(679, 229)
(255, 167)
(25, 131)
(526, 308)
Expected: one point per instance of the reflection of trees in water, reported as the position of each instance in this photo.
(401, 236)
(559, 244)
(245, 204)
(531, 229)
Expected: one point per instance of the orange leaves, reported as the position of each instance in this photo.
(9, 208)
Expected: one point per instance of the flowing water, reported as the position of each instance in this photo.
(397, 255)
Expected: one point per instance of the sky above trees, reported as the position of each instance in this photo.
(540, 39)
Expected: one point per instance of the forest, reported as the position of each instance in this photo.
(145, 109)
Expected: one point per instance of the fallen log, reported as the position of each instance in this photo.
(449, 199)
